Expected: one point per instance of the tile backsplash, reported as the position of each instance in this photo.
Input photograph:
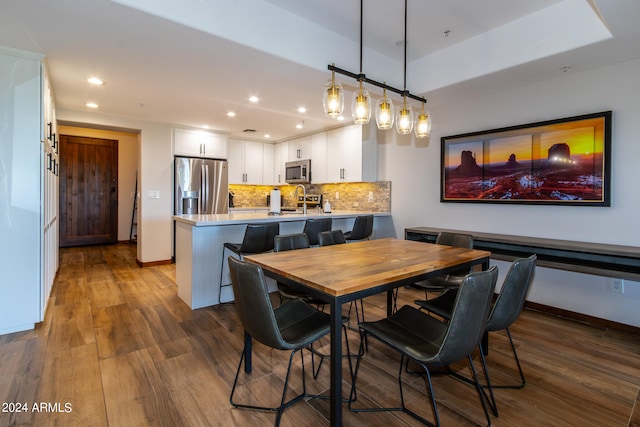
(358, 196)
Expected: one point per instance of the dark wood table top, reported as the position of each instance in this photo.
(348, 268)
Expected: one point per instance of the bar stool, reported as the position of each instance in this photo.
(313, 226)
(258, 238)
(362, 228)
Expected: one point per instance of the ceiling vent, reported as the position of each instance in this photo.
(249, 130)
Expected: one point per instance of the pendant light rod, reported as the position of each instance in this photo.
(405, 45)
(361, 8)
(363, 78)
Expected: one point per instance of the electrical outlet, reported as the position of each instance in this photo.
(371, 196)
(337, 195)
(617, 286)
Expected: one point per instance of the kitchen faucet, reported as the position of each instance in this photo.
(304, 197)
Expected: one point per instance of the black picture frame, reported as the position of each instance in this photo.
(556, 162)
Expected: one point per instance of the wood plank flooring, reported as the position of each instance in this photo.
(119, 348)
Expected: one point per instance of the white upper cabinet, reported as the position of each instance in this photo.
(280, 158)
(245, 162)
(319, 158)
(352, 154)
(199, 143)
(299, 149)
(268, 163)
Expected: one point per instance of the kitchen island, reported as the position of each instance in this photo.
(200, 240)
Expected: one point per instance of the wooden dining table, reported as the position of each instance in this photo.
(339, 274)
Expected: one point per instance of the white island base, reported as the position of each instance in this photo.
(200, 240)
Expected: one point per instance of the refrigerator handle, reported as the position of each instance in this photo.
(206, 187)
(201, 190)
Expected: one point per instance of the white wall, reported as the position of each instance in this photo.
(155, 226)
(413, 166)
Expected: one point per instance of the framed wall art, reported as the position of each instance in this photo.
(556, 162)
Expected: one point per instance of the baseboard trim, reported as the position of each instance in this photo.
(152, 263)
(583, 318)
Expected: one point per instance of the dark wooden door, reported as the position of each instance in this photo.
(88, 191)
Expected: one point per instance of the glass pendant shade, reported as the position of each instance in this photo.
(384, 112)
(423, 124)
(404, 118)
(361, 106)
(333, 98)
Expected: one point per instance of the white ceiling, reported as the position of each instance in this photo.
(188, 62)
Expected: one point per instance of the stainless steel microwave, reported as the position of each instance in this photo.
(298, 172)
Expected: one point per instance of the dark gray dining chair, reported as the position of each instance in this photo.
(292, 326)
(504, 313)
(336, 237)
(430, 342)
(287, 242)
(453, 279)
(445, 281)
(258, 238)
(331, 237)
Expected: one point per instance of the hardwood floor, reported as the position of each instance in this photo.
(119, 348)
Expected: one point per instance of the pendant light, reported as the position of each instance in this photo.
(423, 124)
(404, 118)
(361, 106)
(361, 101)
(333, 98)
(384, 111)
(404, 115)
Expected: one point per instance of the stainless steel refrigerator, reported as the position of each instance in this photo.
(201, 186)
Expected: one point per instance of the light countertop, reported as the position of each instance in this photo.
(253, 217)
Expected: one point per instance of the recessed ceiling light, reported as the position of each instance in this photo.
(254, 99)
(205, 126)
(95, 81)
(231, 114)
(91, 105)
(266, 135)
(300, 125)
(302, 110)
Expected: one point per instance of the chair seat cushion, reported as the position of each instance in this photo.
(411, 332)
(301, 324)
(441, 305)
(440, 283)
(289, 293)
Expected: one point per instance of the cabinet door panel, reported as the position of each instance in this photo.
(268, 164)
(300, 148)
(253, 162)
(319, 158)
(235, 162)
(280, 158)
(352, 153)
(334, 155)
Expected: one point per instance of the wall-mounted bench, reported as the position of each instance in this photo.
(590, 258)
